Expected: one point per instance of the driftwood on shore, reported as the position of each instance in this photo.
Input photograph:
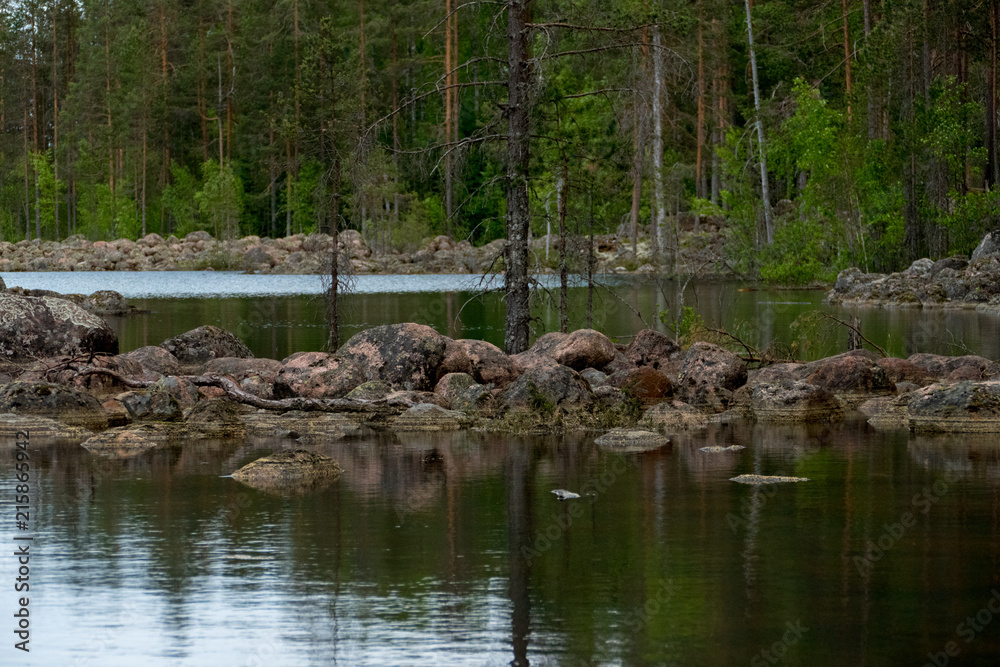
(233, 390)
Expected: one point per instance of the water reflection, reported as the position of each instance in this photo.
(450, 549)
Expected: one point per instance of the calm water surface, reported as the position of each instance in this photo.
(451, 550)
(278, 315)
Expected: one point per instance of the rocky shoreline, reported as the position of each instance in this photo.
(61, 375)
(310, 254)
(952, 282)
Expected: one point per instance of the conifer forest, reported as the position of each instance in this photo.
(819, 135)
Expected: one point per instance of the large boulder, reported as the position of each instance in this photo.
(126, 441)
(793, 401)
(204, 344)
(902, 370)
(158, 406)
(461, 391)
(155, 358)
(966, 367)
(485, 362)
(652, 348)
(404, 355)
(32, 327)
(317, 375)
(289, 472)
(644, 383)
(107, 302)
(853, 377)
(989, 246)
(584, 348)
(709, 376)
(960, 407)
(55, 401)
(546, 388)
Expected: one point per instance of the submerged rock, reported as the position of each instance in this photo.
(126, 442)
(631, 440)
(289, 472)
(766, 479)
(716, 449)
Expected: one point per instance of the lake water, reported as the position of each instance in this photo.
(450, 549)
(278, 315)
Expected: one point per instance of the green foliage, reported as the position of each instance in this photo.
(220, 200)
(179, 200)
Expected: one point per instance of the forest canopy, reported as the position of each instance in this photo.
(273, 118)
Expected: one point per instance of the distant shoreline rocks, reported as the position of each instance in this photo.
(310, 254)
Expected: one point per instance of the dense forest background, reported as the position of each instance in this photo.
(875, 122)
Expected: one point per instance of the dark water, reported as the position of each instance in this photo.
(278, 315)
(451, 550)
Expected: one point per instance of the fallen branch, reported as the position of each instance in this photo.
(234, 391)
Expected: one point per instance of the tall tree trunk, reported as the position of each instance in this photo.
(637, 155)
(699, 167)
(449, 106)
(848, 86)
(765, 190)
(516, 332)
(164, 83)
(659, 204)
(992, 168)
(563, 186)
(55, 121)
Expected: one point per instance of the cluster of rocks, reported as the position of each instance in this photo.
(954, 282)
(311, 254)
(61, 374)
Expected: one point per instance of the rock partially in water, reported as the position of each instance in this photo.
(289, 472)
(307, 427)
(962, 407)
(11, 424)
(218, 418)
(766, 479)
(407, 356)
(673, 417)
(126, 441)
(204, 344)
(39, 327)
(107, 302)
(954, 369)
(428, 417)
(888, 413)
(563, 494)
(47, 399)
(793, 401)
(716, 449)
(853, 377)
(631, 440)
